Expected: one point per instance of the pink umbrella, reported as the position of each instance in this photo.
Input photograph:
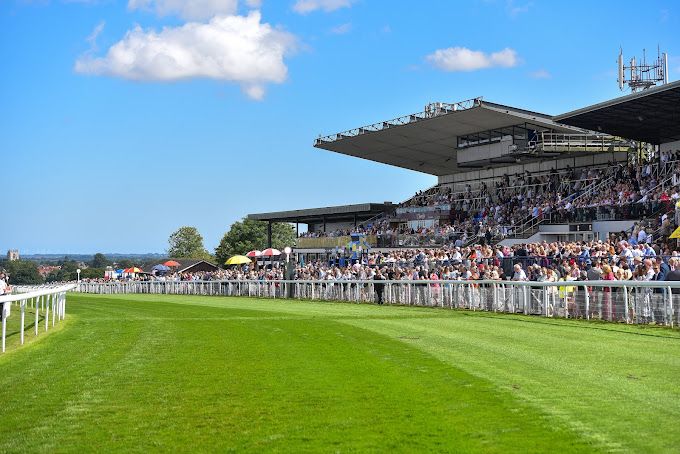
(254, 253)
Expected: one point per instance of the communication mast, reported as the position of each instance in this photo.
(642, 75)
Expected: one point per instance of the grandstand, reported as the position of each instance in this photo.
(507, 174)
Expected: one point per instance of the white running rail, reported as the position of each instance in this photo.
(46, 298)
(632, 302)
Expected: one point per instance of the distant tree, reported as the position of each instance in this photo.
(66, 273)
(100, 261)
(125, 263)
(187, 243)
(149, 263)
(92, 273)
(248, 234)
(23, 272)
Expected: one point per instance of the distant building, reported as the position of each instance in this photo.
(44, 270)
(13, 254)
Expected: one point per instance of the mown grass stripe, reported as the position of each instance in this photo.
(140, 372)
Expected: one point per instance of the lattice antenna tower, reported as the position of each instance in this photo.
(642, 75)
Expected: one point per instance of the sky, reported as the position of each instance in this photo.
(123, 120)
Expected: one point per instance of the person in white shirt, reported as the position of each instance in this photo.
(519, 274)
(5, 288)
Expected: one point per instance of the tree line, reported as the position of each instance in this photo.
(185, 243)
(243, 236)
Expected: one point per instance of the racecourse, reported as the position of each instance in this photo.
(188, 373)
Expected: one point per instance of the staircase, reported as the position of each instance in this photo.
(530, 224)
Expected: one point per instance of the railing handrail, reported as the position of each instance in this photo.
(618, 301)
(55, 296)
(614, 283)
(31, 293)
(443, 109)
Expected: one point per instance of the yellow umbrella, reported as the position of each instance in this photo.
(238, 260)
(675, 234)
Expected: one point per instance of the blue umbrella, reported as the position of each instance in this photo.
(161, 267)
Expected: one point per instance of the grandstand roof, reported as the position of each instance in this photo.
(362, 211)
(651, 116)
(426, 141)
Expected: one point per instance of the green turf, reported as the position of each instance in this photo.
(177, 373)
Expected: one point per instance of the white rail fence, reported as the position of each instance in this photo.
(632, 302)
(50, 299)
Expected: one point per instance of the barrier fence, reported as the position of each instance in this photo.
(48, 299)
(633, 302)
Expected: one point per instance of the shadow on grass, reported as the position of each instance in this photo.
(665, 332)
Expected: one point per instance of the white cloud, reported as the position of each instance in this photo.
(92, 38)
(463, 59)
(342, 29)
(187, 9)
(254, 3)
(255, 92)
(514, 9)
(540, 74)
(307, 6)
(239, 49)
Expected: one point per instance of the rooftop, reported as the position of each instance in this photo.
(343, 212)
(651, 115)
(427, 141)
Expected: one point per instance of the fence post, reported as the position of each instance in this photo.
(47, 312)
(4, 325)
(37, 311)
(585, 289)
(672, 310)
(23, 317)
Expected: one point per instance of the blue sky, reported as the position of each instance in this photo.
(122, 120)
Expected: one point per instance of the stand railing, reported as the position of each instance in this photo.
(585, 143)
(633, 302)
(49, 299)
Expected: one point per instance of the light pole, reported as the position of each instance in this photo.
(78, 271)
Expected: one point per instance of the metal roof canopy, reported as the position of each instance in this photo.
(344, 212)
(651, 115)
(428, 143)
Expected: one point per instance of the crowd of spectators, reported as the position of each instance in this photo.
(501, 207)
(624, 256)
(616, 258)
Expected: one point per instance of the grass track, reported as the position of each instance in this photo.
(141, 372)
